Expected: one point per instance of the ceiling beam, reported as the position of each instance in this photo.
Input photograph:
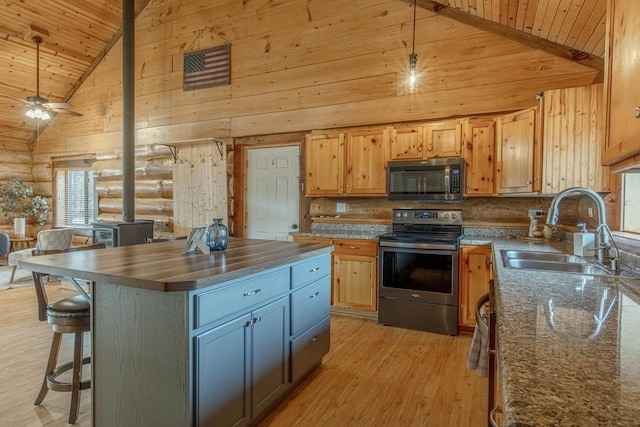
(505, 31)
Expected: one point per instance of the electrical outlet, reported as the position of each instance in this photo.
(536, 213)
(341, 207)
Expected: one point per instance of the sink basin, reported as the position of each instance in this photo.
(563, 267)
(543, 256)
(551, 261)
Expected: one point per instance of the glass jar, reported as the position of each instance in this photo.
(217, 235)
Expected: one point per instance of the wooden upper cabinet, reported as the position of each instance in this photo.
(572, 140)
(518, 153)
(622, 89)
(324, 164)
(367, 155)
(406, 143)
(443, 140)
(478, 151)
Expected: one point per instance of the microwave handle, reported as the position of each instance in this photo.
(447, 174)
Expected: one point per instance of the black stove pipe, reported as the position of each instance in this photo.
(128, 112)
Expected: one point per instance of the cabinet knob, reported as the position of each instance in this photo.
(637, 114)
(528, 182)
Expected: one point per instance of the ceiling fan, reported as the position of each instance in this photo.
(39, 107)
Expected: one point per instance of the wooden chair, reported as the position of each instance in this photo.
(67, 316)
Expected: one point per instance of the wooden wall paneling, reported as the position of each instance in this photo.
(16, 170)
(239, 191)
(573, 139)
(452, 103)
(200, 185)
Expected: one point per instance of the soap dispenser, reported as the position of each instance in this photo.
(583, 241)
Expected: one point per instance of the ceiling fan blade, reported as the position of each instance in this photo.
(57, 105)
(65, 111)
(15, 99)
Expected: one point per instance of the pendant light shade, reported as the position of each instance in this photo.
(412, 71)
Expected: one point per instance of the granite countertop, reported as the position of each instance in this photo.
(569, 345)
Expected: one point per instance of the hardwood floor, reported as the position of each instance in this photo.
(378, 375)
(374, 375)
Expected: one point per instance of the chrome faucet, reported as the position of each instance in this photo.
(601, 244)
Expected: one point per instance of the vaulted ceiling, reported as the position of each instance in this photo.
(76, 34)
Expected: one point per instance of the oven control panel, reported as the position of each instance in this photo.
(426, 216)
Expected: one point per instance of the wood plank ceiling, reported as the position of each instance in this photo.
(78, 33)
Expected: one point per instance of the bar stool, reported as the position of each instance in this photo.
(67, 316)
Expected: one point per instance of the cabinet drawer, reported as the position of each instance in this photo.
(311, 270)
(356, 247)
(308, 349)
(310, 304)
(219, 303)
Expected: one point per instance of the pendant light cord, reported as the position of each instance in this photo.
(413, 44)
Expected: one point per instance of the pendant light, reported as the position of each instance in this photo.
(412, 72)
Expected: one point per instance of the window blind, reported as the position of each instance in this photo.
(76, 200)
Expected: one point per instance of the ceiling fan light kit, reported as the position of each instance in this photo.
(40, 108)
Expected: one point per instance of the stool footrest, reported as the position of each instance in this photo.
(55, 385)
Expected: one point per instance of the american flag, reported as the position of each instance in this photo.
(207, 67)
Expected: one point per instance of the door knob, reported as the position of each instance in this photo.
(294, 226)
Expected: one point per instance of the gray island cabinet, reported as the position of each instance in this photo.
(200, 340)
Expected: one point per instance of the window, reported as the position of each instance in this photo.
(76, 200)
(631, 203)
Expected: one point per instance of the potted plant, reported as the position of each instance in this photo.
(18, 201)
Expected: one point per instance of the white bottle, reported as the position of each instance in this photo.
(583, 242)
(533, 226)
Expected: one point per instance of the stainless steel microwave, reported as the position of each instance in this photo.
(432, 180)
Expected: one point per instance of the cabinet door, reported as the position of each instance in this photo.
(367, 152)
(516, 148)
(324, 164)
(623, 91)
(406, 143)
(443, 140)
(223, 377)
(355, 283)
(478, 145)
(475, 273)
(270, 354)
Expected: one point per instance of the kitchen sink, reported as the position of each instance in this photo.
(550, 261)
(543, 256)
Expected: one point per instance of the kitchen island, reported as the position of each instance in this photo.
(199, 340)
(568, 344)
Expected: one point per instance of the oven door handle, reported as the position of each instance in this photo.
(437, 246)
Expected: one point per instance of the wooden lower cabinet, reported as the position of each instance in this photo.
(355, 272)
(474, 276)
(355, 266)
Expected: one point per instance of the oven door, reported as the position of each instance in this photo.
(420, 275)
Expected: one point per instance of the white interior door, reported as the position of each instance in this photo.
(273, 177)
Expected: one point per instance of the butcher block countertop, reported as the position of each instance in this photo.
(568, 344)
(163, 267)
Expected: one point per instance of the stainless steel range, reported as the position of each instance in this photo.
(418, 270)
